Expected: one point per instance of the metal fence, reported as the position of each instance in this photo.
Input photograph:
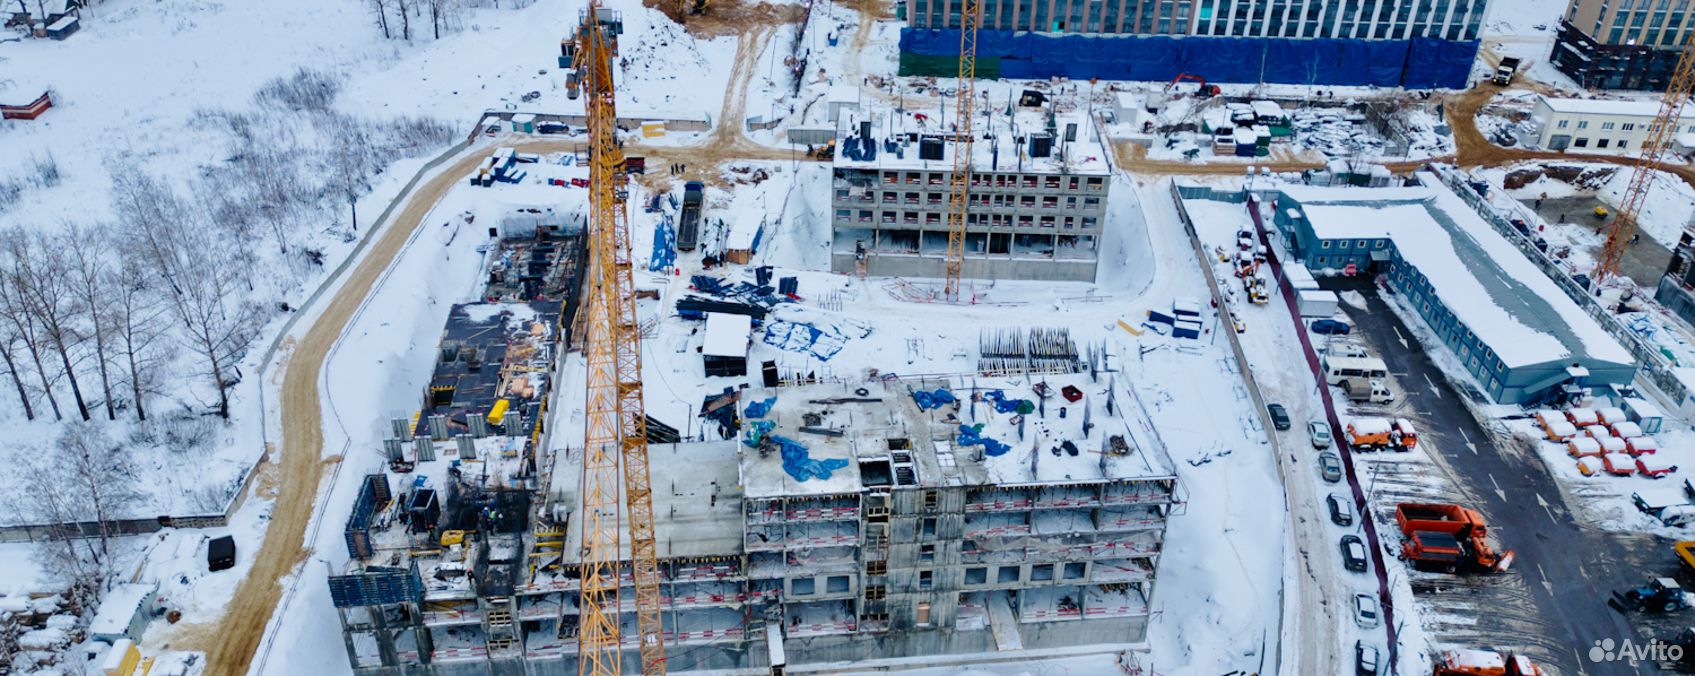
(1653, 365)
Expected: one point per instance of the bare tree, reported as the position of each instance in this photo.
(381, 8)
(197, 273)
(137, 317)
(9, 343)
(102, 480)
(405, 19)
(39, 273)
(85, 250)
(21, 322)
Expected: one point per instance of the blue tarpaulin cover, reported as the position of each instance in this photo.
(664, 246)
(928, 400)
(758, 409)
(1003, 404)
(799, 463)
(1419, 63)
(971, 435)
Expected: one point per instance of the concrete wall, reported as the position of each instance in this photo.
(1039, 269)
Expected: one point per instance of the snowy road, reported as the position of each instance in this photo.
(1552, 604)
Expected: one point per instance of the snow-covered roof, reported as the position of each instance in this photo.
(997, 146)
(1635, 108)
(727, 335)
(1481, 277)
(118, 608)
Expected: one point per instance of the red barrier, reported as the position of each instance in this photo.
(1288, 293)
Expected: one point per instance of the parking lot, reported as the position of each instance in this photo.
(1552, 603)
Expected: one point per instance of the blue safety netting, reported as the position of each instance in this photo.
(1420, 63)
(664, 246)
(972, 435)
(928, 400)
(758, 409)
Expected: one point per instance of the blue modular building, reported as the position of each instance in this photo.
(1512, 329)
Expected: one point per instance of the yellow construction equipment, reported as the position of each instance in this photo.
(1660, 135)
(617, 424)
(452, 537)
(497, 412)
(959, 197)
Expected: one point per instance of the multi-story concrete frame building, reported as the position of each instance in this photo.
(1363, 19)
(1038, 196)
(1622, 44)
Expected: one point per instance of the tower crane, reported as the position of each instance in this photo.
(959, 196)
(1660, 134)
(616, 433)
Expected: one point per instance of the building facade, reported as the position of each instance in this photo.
(1038, 208)
(1594, 126)
(1364, 19)
(1622, 44)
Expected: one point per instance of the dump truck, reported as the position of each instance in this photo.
(688, 223)
(1448, 538)
(1504, 73)
(1484, 663)
(1381, 434)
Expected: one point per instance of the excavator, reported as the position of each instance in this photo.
(1484, 663)
(1447, 538)
(1206, 90)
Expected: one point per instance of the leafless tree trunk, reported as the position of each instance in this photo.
(8, 343)
(381, 7)
(17, 314)
(405, 20)
(197, 273)
(100, 477)
(85, 249)
(39, 272)
(435, 17)
(136, 316)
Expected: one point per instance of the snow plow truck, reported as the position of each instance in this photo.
(1448, 538)
(1382, 434)
(1484, 663)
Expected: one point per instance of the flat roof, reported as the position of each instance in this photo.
(726, 335)
(996, 147)
(1637, 108)
(697, 504)
(1045, 449)
(118, 608)
(1481, 277)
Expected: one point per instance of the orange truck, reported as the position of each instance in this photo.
(1381, 434)
(1447, 538)
(1484, 663)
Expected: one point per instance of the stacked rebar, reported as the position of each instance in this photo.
(1051, 351)
(1001, 351)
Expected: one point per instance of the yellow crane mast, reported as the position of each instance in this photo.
(617, 424)
(1660, 134)
(959, 197)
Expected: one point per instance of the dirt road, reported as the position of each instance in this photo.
(297, 473)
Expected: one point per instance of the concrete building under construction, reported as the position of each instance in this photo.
(842, 521)
(1039, 186)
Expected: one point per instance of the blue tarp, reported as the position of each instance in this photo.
(664, 246)
(1003, 404)
(758, 409)
(799, 463)
(1420, 63)
(928, 400)
(971, 435)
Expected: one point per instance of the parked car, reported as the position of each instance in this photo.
(1341, 513)
(1366, 611)
(1353, 554)
(1279, 416)
(1365, 659)
(1330, 466)
(1331, 327)
(1320, 433)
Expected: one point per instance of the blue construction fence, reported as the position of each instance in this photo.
(1418, 63)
